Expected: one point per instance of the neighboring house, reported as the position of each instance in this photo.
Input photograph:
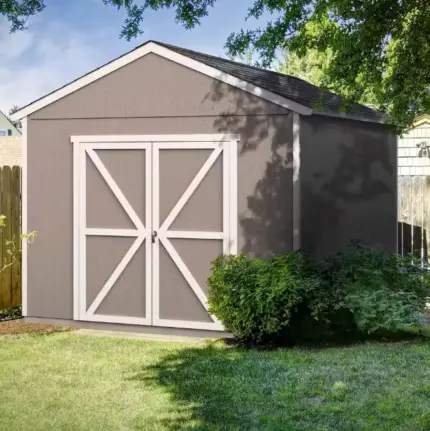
(10, 151)
(10, 143)
(140, 173)
(414, 149)
(6, 127)
(414, 188)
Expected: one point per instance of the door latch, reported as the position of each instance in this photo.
(153, 236)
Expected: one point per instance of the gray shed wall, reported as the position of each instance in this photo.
(152, 96)
(348, 184)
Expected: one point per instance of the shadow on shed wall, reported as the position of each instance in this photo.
(348, 186)
(265, 200)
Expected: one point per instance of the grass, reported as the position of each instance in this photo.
(62, 381)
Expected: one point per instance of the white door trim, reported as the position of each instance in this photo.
(191, 188)
(24, 225)
(225, 149)
(81, 310)
(225, 146)
(115, 190)
(176, 141)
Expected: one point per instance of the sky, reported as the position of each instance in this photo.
(72, 37)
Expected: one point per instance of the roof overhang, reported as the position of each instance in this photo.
(154, 48)
(346, 116)
(422, 119)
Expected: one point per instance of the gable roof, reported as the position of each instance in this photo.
(422, 119)
(10, 123)
(287, 91)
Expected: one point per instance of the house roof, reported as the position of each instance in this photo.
(12, 126)
(284, 90)
(422, 119)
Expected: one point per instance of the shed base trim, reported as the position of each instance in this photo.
(129, 328)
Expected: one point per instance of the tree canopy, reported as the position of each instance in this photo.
(377, 47)
(314, 67)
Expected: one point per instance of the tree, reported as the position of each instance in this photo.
(15, 108)
(377, 46)
(314, 67)
(12, 110)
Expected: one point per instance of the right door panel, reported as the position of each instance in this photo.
(191, 220)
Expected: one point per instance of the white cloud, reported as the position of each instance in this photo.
(41, 59)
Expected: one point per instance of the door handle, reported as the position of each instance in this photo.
(153, 236)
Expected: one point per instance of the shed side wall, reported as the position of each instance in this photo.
(152, 96)
(348, 184)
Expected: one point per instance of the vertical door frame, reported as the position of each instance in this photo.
(24, 216)
(83, 145)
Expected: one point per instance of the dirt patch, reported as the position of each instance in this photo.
(19, 326)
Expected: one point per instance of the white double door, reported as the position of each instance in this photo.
(179, 197)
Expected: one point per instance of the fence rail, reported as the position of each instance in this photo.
(10, 242)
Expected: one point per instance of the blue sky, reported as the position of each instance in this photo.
(72, 37)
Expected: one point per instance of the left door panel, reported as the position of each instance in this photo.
(114, 237)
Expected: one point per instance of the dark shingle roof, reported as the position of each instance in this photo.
(290, 87)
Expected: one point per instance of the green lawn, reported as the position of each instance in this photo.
(63, 381)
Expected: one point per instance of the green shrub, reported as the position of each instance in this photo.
(255, 299)
(383, 291)
(10, 313)
(358, 291)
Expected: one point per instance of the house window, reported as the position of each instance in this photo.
(9, 132)
(3, 132)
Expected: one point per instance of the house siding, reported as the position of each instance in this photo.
(411, 162)
(10, 150)
(6, 125)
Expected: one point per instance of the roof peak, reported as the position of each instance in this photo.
(239, 63)
(292, 93)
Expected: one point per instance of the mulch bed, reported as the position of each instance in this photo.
(19, 326)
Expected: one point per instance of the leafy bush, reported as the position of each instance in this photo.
(255, 298)
(10, 313)
(360, 290)
(384, 292)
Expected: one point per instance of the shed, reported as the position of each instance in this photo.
(139, 173)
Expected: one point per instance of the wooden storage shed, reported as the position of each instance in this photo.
(138, 174)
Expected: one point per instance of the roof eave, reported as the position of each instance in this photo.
(346, 116)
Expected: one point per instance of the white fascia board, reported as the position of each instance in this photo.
(152, 47)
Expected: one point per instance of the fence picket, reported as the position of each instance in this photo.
(10, 206)
(7, 236)
(16, 235)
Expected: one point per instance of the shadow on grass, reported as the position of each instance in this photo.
(214, 387)
(217, 388)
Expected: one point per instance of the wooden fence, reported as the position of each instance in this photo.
(10, 237)
(414, 215)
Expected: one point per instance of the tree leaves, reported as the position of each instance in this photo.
(17, 12)
(379, 49)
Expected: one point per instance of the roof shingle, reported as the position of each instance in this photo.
(290, 87)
